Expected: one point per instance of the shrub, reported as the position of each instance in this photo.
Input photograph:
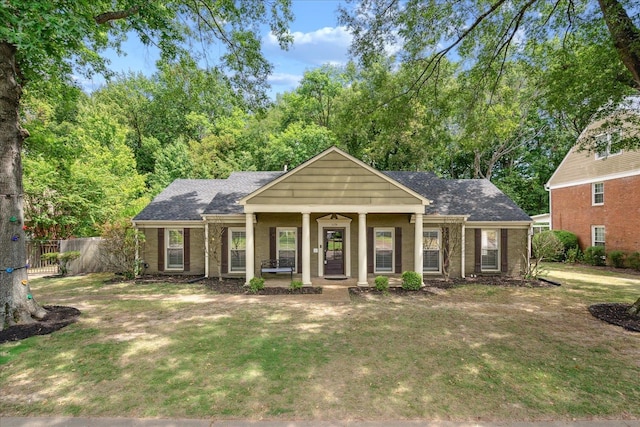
(296, 284)
(382, 283)
(546, 245)
(573, 255)
(411, 281)
(633, 260)
(616, 259)
(594, 255)
(118, 248)
(62, 259)
(256, 284)
(569, 241)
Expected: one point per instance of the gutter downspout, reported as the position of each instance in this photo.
(206, 249)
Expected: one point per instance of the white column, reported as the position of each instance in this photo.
(306, 249)
(250, 247)
(206, 249)
(362, 250)
(418, 249)
(463, 250)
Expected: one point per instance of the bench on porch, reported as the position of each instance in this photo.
(276, 266)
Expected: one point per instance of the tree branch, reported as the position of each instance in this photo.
(106, 17)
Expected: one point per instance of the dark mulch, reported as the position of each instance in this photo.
(236, 286)
(616, 314)
(57, 318)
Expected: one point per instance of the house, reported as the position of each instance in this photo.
(595, 195)
(541, 222)
(333, 217)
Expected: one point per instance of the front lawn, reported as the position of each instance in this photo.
(468, 353)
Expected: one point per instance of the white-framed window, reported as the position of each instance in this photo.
(605, 141)
(237, 250)
(287, 247)
(383, 243)
(431, 255)
(490, 255)
(174, 244)
(597, 235)
(597, 190)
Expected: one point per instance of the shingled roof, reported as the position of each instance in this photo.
(188, 199)
(478, 198)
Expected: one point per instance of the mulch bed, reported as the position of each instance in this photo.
(57, 318)
(616, 314)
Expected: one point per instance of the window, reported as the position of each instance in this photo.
(606, 143)
(597, 235)
(237, 250)
(598, 193)
(383, 245)
(489, 256)
(175, 249)
(286, 247)
(431, 250)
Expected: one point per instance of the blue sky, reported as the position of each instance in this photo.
(317, 40)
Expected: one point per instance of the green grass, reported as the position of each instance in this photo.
(472, 352)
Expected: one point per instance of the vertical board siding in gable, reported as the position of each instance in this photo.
(478, 250)
(504, 250)
(187, 249)
(398, 250)
(160, 249)
(224, 248)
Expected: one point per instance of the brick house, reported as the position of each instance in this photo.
(596, 195)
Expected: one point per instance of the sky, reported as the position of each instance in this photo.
(318, 40)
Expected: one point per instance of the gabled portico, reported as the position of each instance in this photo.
(335, 188)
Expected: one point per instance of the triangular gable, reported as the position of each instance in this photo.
(334, 178)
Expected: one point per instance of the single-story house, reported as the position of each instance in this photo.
(333, 217)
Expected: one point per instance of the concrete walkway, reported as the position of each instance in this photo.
(132, 422)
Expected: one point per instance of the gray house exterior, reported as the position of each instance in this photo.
(334, 217)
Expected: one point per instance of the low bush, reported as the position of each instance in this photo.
(382, 283)
(296, 284)
(633, 260)
(616, 259)
(569, 241)
(594, 255)
(573, 255)
(411, 281)
(256, 284)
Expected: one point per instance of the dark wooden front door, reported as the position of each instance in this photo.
(334, 251)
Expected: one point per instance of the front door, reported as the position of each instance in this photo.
(334, 251)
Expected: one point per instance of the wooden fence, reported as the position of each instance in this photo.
(88, 262)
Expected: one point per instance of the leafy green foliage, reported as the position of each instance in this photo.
(62, 259)
(411, 281)
(633, 259)
(573, 255)
(381, 283)
(616, 258)
(296, 284)
(569, 241)
(256, 284)
(595, 255)
(118, 248)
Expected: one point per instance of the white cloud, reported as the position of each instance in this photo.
(285, 79)
(322, 46)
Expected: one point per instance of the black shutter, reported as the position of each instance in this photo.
(160, 249)
(186, 245)
(299, 243)
(504, 251)
(398, 250)
(478, 250)
(224, 248)
(272, 243)
(369, 249)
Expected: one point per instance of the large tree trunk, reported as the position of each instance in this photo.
(16, 302)
(624, 34)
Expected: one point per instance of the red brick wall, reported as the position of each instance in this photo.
(571, 210)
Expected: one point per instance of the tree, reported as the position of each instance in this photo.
(486, 36)
(45, 38)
